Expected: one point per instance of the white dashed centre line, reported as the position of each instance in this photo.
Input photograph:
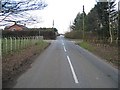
(72, 69)
(64, 48)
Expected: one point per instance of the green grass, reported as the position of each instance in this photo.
(41, 44)
(110, 54)
(86, 45)
(20, 45)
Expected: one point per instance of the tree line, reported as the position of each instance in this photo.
(101, 23)
(47, 33)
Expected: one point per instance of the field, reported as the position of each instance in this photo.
(12, 45)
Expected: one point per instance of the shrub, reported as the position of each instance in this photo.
(47, 33)
(73, 35)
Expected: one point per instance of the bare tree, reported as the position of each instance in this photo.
(19, 9)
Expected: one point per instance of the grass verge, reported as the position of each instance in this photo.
(106, 52)
(16, 63)
(86, 46)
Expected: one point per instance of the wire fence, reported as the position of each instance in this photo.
(0, 47)
(13, 44)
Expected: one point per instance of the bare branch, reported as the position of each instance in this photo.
(16, 8)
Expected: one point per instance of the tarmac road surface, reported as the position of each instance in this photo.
(66, 65)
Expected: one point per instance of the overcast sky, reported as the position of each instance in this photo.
(62, 12)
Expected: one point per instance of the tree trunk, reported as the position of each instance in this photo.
(111, 36)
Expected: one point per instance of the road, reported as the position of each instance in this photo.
(66, 65)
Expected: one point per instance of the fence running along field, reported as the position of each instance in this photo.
(0, 47)
(14, 44)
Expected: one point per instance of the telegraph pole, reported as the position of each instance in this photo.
(83, 24)
(70, 26)
(53, 25)
(118, 31)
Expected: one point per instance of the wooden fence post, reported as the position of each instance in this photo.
(0, 47)
(21, 43)
(6, 46)
(37, 38)
(18, 42)
(32, 40)
(11, 45)
(25, 42)
(15, 42)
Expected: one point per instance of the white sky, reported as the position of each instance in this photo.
(62, 12)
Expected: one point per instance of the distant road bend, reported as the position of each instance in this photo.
(66, 65)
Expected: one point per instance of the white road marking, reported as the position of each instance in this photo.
(72, 69)
(63, 44)
(64, 48)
